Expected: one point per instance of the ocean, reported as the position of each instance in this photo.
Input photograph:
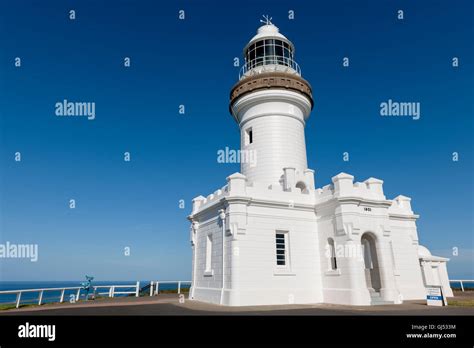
(53, 296)
(466, 285)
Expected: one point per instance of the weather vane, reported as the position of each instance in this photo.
(266, 19)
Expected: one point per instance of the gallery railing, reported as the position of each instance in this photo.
(270, 63)
(460, 281)
(76, 292)
(97, 290)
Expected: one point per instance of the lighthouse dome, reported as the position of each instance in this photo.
(268, 31)
(269, 51)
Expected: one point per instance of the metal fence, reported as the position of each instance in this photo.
(111, 292)
(460, 281)
(155, 285)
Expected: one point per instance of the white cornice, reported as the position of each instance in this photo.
(412, 217)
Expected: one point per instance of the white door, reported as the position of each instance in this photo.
(436, 279)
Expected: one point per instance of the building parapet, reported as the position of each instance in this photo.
(200, 202)
(238, 186)
(344, 186)
(368, 190)
(401, 205)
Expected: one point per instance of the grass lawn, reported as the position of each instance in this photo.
(174, 291)
(13, 306)
(461, 303)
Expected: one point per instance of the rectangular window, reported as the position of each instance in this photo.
(332, 250)
(248, 136)
(208, 253)
(333, 263)
(281, 239)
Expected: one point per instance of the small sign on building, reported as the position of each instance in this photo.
(435, 296)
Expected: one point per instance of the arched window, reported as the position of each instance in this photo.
(302, 186)
(332, 254)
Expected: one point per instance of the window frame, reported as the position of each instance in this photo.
(286, 250)
(332, 260)
(248, 136)
(208, 271)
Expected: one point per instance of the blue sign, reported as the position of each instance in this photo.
(429, 297)
(435, 296)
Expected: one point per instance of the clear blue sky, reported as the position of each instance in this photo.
(190, 62)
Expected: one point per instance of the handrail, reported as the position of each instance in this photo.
(275, 62)
(135, 289)
(155, 291)
(115, 286)
(111, 291)
(37, 290)
(460, 282)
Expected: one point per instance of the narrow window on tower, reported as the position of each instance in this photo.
(248, 136)
(281, 239)
(208, 254)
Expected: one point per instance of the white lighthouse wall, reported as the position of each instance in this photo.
(392, 226)
(254, 214)
(277, 124)
(252, 276)
(407, 271)
(207, 286)
(345, 225)
(278, 142)
(260, 280)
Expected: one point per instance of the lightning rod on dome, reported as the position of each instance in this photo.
(267, 20)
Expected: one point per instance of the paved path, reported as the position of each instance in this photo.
(168, 304)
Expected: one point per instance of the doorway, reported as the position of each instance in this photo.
(371, 263)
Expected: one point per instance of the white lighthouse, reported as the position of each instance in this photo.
(270, 237)
(271, 103)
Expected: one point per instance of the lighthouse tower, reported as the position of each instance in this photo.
(242, 234)
(271, 103)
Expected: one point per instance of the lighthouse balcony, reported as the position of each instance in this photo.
(269, 64)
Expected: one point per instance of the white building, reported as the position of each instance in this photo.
(271, 237)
